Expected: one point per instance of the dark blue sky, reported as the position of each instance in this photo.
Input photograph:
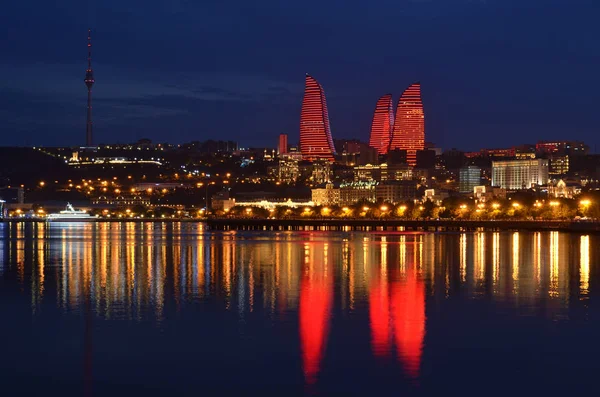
(495, 73)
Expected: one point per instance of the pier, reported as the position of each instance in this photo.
(398, 225)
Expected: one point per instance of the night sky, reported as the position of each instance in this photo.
(494, 73)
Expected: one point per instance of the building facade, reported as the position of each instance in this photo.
(558, 165)
(382, 125)
(382, 172)
(358, 191)
(409, 125)
(468, 178)
(328, 195)
(396, 191)
(282, 147)
(288, 169)
(519, 174)
(315, 132)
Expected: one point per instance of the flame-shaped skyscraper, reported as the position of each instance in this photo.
(315, 133)
(89, 82)
(409, 126)
(382, 125)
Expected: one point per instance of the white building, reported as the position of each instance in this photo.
(519, 174)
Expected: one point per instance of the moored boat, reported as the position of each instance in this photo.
(70, 215)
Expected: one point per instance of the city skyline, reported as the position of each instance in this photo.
(182, 84)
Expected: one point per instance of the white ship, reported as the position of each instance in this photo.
(70, 215)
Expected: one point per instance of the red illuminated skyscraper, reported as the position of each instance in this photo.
(315, 132)
(383, 123)
(282, 147)
(409, 126)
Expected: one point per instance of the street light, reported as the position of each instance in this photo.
(384, 208)
(586, 203)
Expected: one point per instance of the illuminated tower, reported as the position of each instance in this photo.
(409, 126)
(282, 148)
(89, 82)
(315, 132)
(382, 125)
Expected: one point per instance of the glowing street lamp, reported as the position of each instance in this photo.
(365, 208)
(516, 205)
(585, 203)
(384, 208)
(554, 203)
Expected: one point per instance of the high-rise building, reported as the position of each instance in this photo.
(519, 174)
(409, 125)
(315, 132)
(282, 148)
(468, 178)
(382, 125)
(89, 82)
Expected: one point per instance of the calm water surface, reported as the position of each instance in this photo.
(172, 309)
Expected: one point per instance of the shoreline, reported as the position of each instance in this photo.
(295, 224)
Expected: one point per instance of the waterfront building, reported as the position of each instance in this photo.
(382, 172)
(409, 125)
(328, 195)
(315, 132)
(382, 125)
(396, 191)
(354, 192)
(221, 201)
(468, 178)
(271, 204)
(282, 147)
(519, 174)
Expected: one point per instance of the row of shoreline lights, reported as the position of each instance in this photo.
(480, 207)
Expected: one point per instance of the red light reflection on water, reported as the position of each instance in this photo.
(404, 307)
(315, 307)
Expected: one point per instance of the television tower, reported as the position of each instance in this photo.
(89, 82)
